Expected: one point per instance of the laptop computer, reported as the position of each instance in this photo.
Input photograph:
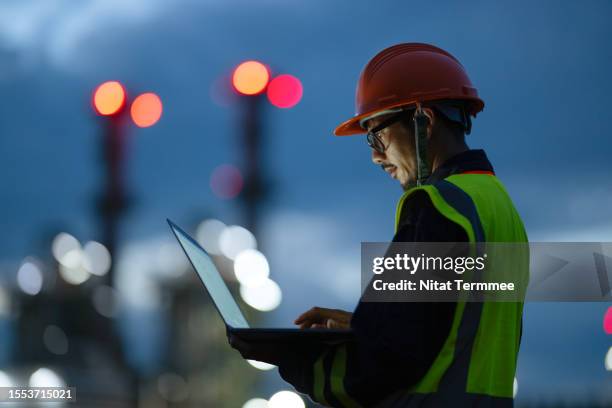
(226, 305)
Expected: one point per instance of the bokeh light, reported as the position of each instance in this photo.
(170, 260)
(286, 399)
(608, 361)
(5, 302)
(260, 365)
(105, 300)
(29, 278)
(74, 275)
(285, 91)
(73, 259)
(146, 110)
(235, 239)
(55, 340)
(45, 377)
(96, 258)
(77, 263)
(62, 244)
(251, 267)
(5, 380)
(264, 297)
(136, 283)
(607, 321)
(109, 98)
(208, 234)
(250, 77)
(256, 403)
(226, 181)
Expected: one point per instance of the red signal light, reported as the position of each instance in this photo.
(285, 91)
(250, 78)
(226, 181)
(146, 109)
(109, 98)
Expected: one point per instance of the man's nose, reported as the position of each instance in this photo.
(377, 157)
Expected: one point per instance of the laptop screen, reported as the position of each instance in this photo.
(210, 276)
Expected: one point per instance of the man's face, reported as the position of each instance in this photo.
(398, 160)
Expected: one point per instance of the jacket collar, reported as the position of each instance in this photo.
(468, 161)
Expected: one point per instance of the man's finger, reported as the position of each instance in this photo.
(243, 347)
(319, 314)
(312, 314)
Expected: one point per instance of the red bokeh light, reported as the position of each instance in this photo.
(285, 91)
(109, 98)
(226, 181)
(146, 110)
(607, 323)
(250, 78)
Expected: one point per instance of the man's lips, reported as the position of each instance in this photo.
(390, 169)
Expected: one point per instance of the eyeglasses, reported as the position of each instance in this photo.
(373, 138)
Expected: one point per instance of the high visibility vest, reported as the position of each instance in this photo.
(477, 362)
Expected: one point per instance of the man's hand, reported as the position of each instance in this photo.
(322, 318)
(268, 353)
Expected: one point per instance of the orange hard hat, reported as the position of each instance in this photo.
(407, 74)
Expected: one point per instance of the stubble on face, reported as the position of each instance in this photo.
(402, 156)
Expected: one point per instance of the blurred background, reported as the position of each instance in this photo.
(115, 115)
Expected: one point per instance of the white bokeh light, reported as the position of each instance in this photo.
(170, 260)
(260, 365)
(235, 239)
(286, 399)
(264, 297)
(137, 285)
(256, 403)
(72, 259)
(208, 234)
(74, 276)
(96, 258)
(5, 380)
(29, 278)
(106, 300)
(251, 267)
(45, 377)
(62, 244)
(5, 302)
(608, 362)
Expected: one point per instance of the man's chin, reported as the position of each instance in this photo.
(407, 185)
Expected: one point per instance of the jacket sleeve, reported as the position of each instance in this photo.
(395, 343)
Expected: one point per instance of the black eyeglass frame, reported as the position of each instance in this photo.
(372, 136)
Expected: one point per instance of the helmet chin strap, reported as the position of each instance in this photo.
(421, 121)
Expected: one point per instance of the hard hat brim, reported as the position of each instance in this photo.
(353, 127)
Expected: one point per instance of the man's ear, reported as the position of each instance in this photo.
(432, 120)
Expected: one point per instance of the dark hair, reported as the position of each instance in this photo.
(458, 129)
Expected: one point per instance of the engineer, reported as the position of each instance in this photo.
(415, 103)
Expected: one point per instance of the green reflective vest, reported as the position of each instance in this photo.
(477, 363)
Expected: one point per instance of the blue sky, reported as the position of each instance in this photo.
(542, 68)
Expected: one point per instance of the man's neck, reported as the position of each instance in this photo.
(444, 154)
